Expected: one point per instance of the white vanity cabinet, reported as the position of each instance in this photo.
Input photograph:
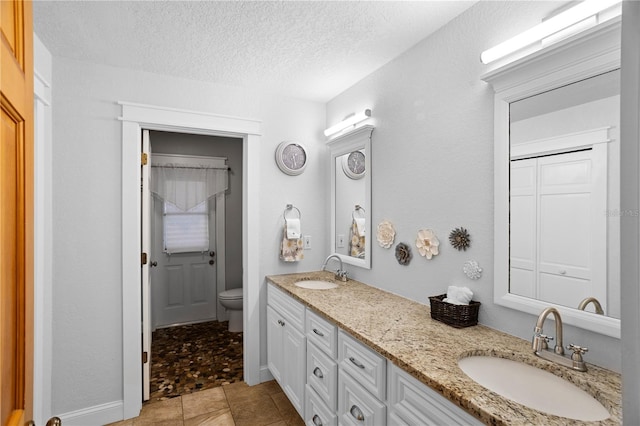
(412, 403)
(286, 345)
(333, 379)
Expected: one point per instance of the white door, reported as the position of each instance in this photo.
(185, 288)
(572, 256)
(146, 248)
(523, 228)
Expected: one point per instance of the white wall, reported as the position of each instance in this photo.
(87, 275)
(432, 163)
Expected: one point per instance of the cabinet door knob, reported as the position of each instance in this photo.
(357, 414)
(319, 333)
(318, 373)
(316, 420)
(356, 363)
(281, 323)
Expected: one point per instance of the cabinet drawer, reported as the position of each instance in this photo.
(411, 402)
(316, 412)
(356, 406)
(291, 310)
(365, 365)
(323, 333)
(322, 375)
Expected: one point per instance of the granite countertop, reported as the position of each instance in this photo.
(402, 331)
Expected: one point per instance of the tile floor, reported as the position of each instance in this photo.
(194, 357)
(236, 404)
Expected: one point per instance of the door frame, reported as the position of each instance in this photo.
(134, 118)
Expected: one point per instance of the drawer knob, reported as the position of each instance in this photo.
(318, 373)
(316, 420)
(356, 412)
(355, 362)
(319, 333)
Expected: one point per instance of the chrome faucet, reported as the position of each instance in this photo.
(595, 302)
(540, 343)
(340, 273)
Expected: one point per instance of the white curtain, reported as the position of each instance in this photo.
(186, 187)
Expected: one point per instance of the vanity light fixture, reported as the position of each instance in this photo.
(349, 121)
(547, 28)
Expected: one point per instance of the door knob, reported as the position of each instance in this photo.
(54, 421)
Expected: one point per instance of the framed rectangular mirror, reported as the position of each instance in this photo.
(350, 209)
(557, 180)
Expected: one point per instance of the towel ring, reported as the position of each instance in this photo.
(358, 207)
(291, 207)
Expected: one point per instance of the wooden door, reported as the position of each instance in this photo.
(16, 212)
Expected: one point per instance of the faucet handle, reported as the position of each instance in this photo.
(545, 340)
(577, 351)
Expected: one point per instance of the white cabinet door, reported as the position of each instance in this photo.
(275, 355)
(295, 366)
(413, 403)
(287, 345)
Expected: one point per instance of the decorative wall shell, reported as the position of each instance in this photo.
(386, 234)
(427, 243)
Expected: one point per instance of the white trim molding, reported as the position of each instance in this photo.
(136, 117)
(97, 415)
(43, 235)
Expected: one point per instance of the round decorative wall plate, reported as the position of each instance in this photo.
(291, 157)
(353, 165)
(472, 269)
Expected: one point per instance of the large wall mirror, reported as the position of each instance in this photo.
(351, 196)
(557, 181)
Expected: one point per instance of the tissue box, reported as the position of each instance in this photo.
(457, 316)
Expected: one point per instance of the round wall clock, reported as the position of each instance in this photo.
(353, 164)
(291, 158)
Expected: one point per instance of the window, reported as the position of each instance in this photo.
(186, 231)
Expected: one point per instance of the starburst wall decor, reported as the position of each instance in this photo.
(460, 239)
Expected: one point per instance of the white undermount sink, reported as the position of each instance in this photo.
(316, 284)
(533, 388)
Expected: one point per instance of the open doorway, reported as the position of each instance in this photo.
(195, 254)
(134, 118)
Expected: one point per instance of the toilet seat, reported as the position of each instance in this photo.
(233, 294)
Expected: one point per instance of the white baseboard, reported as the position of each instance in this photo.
(97, 415)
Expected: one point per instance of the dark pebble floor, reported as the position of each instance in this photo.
(188, 358)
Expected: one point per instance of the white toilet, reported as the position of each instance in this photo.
(232, 302)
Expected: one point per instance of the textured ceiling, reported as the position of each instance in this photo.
(308, 49)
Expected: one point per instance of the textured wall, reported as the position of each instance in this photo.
(87, 278)
(433, 162)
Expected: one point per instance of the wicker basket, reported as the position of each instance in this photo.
(457, 316)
